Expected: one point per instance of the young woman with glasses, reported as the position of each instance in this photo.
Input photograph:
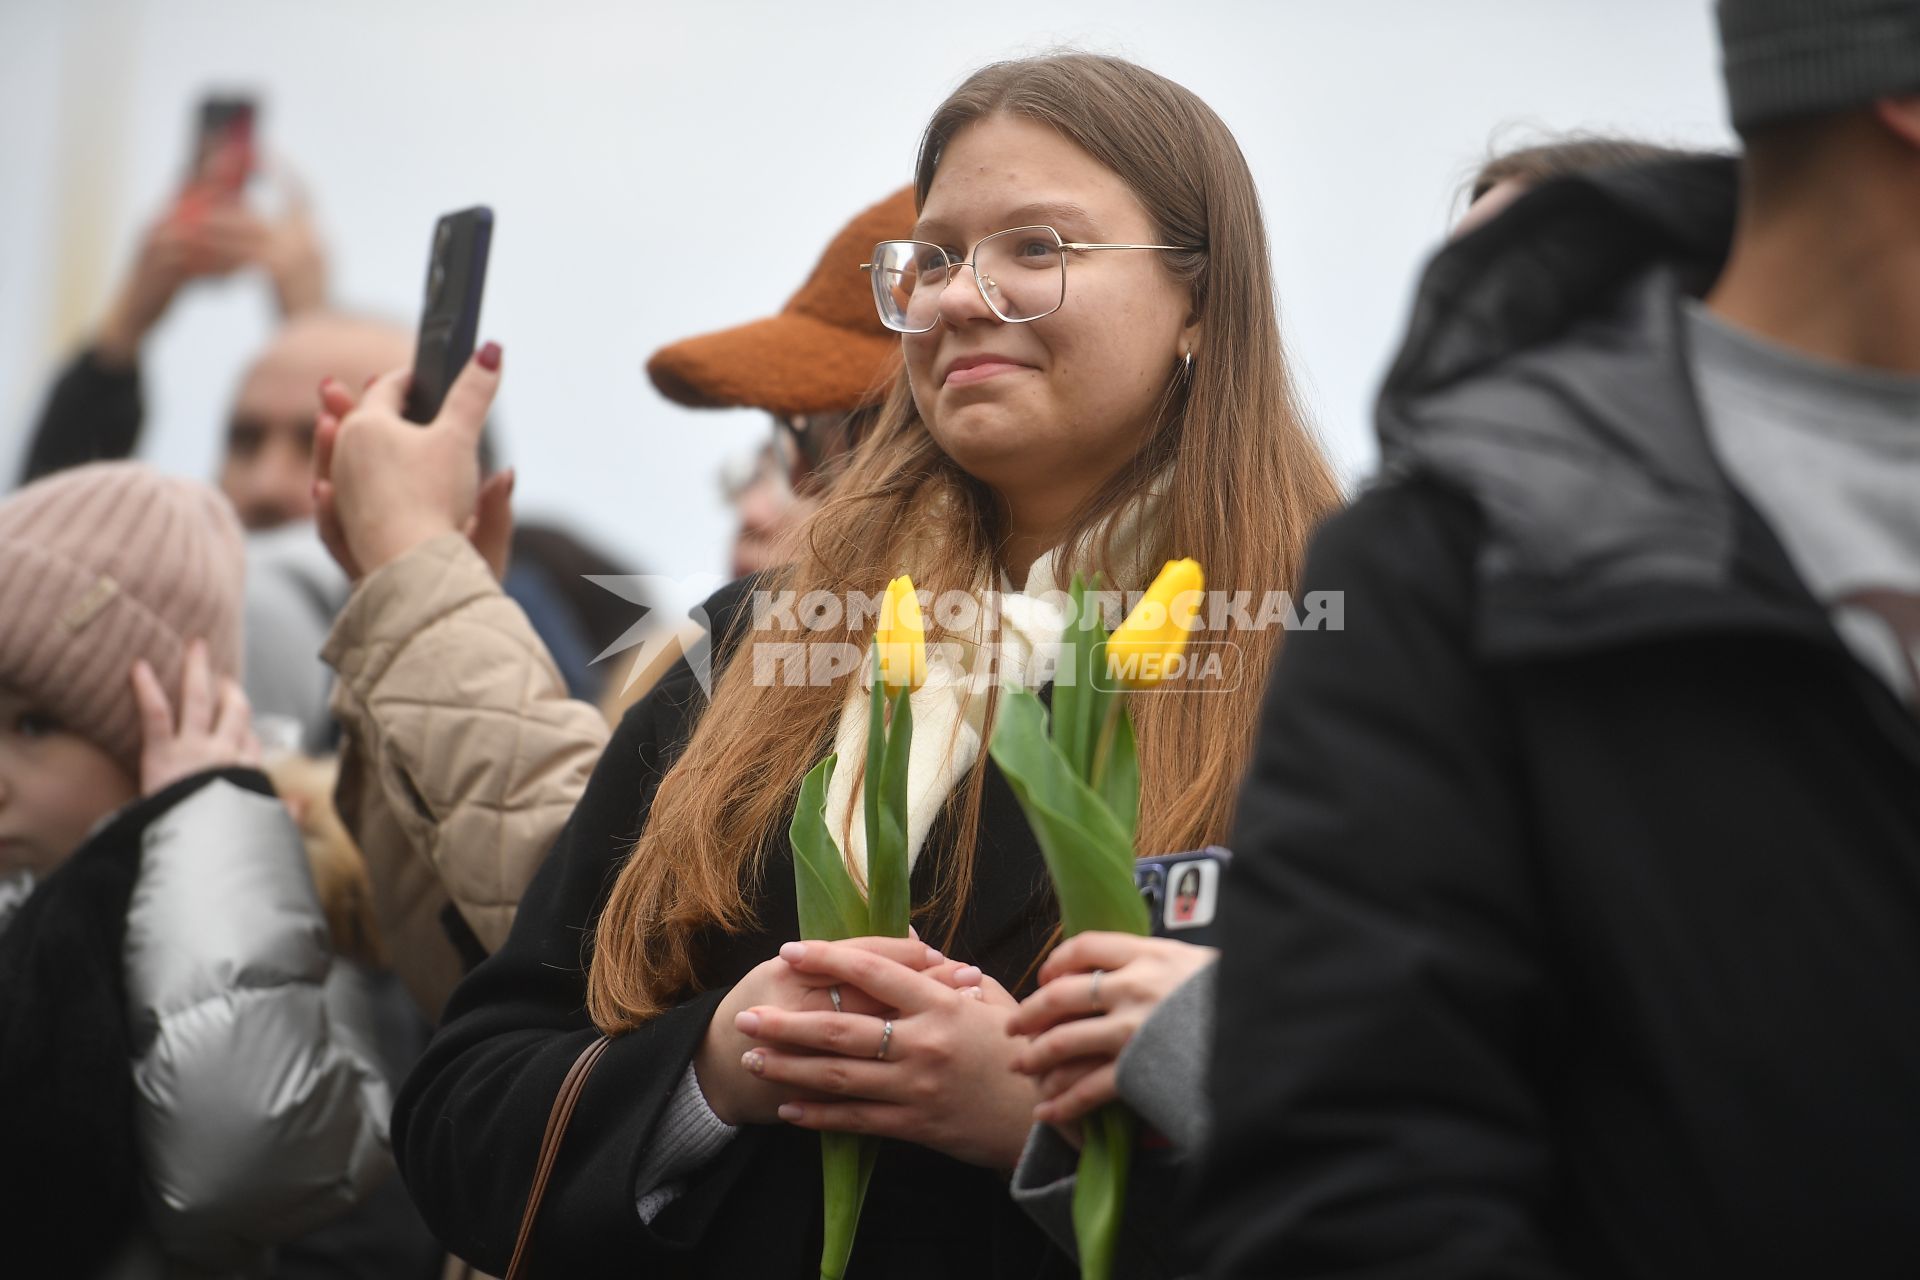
(1093, 380)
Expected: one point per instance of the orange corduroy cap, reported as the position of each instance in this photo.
(106, 563)
(826, 352)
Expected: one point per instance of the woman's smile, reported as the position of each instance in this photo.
(979, 368)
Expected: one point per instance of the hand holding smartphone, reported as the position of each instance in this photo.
(223, 157)
(450, 313)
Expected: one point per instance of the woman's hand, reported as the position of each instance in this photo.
(944, 1078)
(215, 729)
(173, 251)
(734, 1093)
(290, 250)
(1079, 1022)
(383, 485)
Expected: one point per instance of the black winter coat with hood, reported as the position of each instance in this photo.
(1575, 924)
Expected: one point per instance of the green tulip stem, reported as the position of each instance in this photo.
(1103, 746)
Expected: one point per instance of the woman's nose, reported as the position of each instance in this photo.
(962, 300)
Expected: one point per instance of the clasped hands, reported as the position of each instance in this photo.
(966, 1070)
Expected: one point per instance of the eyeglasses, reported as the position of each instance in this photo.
(1021, 274)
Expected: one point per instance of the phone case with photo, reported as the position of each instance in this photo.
(1182, 892)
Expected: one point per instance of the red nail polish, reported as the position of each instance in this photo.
(489, 357)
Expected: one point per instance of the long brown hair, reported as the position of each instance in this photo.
(1245, 483)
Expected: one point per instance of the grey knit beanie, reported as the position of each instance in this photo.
(1784, 59)
(106, 563)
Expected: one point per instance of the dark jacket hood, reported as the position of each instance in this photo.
(1544, 375)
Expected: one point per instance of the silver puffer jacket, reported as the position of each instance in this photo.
(259, 1117)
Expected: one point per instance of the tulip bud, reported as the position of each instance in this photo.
(901, 637)
(1146, 648)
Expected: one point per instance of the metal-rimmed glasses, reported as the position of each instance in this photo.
(1021, 274)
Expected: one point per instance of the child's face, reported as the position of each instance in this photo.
(54, 785)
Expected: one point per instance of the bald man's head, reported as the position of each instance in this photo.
(266, 471)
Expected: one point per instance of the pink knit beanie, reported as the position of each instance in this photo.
(106, 563)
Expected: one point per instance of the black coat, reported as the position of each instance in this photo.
(92, 414)
(1575, 923)
(468, 1123)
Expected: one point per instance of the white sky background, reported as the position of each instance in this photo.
(661, 169)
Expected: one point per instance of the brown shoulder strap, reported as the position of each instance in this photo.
(563, 1104)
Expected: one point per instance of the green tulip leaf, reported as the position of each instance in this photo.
(830, 908)
(830, 903)
(1087, 853)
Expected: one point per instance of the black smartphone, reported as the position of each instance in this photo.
(450, 315)
(1182, 892)
(223, 156)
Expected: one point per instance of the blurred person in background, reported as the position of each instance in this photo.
(179, 1096)
(1506, 176)
(820, 368)
(210, 231)
(463, 752)
(1146, 406)
(1574, 924)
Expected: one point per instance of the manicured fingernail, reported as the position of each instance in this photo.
(754, 1061)
(970, 973)
(747, 1022)
(794, 952)
(789, 1111)
(934, 956)
(489, 357)
(913, 933)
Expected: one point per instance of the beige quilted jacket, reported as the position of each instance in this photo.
(462, 755)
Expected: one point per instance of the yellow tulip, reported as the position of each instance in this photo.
(1146, 648)
(902, 637)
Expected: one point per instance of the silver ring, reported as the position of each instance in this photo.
(1094, 994)
(833, 994)
(886, 1038)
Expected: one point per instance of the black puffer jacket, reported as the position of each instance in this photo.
(175, 1096)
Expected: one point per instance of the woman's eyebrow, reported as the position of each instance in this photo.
(1048, 212)
(1039, 213)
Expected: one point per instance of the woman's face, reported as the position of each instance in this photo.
(54, 786)
(1059, 403)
